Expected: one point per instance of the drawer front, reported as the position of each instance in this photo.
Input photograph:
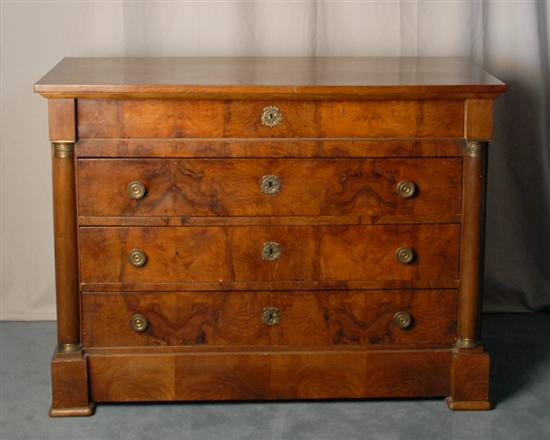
(269, 318)
(268, 253)
(166, 118)
(271, 187)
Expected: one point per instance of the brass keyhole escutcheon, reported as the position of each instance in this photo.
(136, 190)
(139, 323)
(403, 320)
(405, 189)
(270, 184)
(271, 316)
(271, 116)
(405, 255)
(137, 258)
(271, 251)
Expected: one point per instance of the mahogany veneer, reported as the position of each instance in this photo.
(268, 228)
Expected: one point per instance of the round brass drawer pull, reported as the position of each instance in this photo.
(403, 320)
(405, 189)
(271, 251)
(405, 255)
(139, 323)
(270, 184)
(271, 316)
(136, 189)
(137, 258)
(271, 116)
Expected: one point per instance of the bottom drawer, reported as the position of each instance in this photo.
(321, 318)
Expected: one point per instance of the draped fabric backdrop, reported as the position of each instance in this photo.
(509, 38)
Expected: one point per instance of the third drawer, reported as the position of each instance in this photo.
(270, 318)
(193, 254)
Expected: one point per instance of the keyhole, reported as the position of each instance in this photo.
(271, 316)
(271, 251)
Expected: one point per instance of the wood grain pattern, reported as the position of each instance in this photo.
(319, 77)
(307, 318)
(263, 374)
(422, 118)
(253, 148)
(266, 221)
(165, 118)
(221, 285)
(194, 254)
(479, 119)
(62, 119)
(309, 187)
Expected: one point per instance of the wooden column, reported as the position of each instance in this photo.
(70, 395)
(471, 247)
(65, 241)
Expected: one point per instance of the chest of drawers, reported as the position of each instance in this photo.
(268, 228)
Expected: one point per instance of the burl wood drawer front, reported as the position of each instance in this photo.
(269, 318)
(167, 118)
(270, 187)
(268, 253)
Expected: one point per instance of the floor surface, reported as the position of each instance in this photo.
(519, 344)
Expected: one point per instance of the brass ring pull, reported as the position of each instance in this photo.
(271, 251)
(403, 320)
(270, 184)
(405, 255)
(139, 323)
(137, 258)
(136, 189)
(271, 116)
(405, 189)
(271, 316)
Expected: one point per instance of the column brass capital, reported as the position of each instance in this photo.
(475, 148)
(63, 149)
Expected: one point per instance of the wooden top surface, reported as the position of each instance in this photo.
(296, 76)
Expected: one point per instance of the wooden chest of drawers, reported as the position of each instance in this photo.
(290, 228)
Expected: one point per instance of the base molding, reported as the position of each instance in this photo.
(266, 373)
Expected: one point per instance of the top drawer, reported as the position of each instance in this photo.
(171, 118)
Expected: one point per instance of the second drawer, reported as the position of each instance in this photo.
(135, 255)
(403, 188)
